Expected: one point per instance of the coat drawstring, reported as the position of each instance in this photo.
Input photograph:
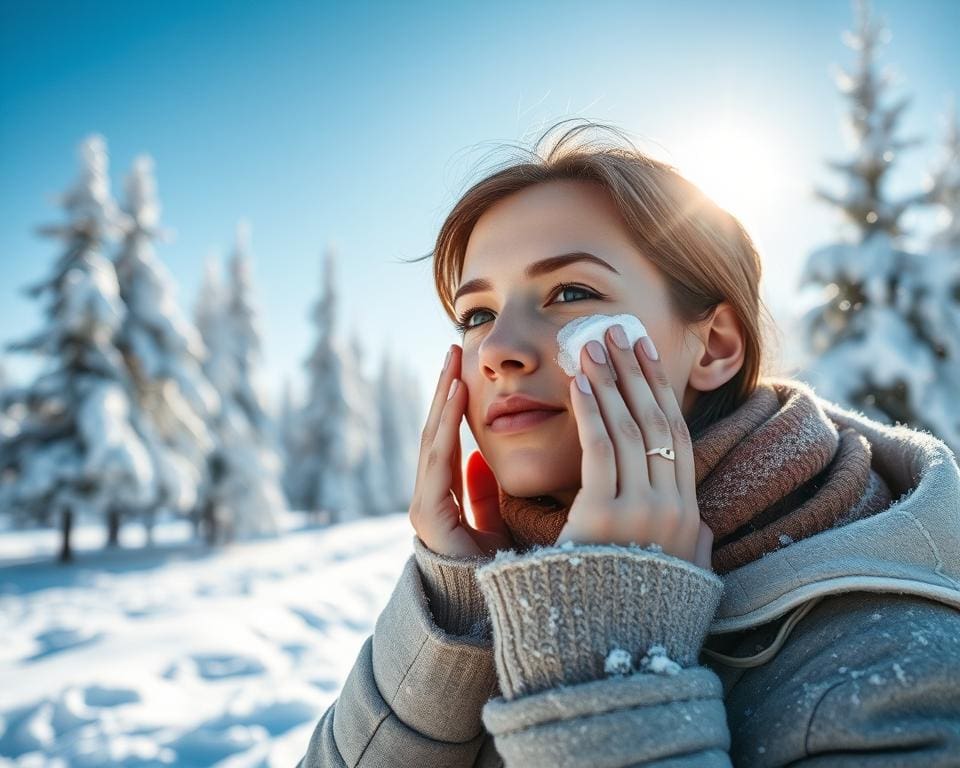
(767, 653)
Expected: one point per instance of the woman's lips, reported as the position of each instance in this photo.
(516, 422)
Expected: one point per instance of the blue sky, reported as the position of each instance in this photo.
(357, 125)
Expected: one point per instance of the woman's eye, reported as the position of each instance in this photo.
(574, 288)
(465, 324)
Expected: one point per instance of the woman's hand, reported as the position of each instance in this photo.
(437, 511)
(625, 495)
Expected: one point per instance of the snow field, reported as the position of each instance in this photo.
(187, 658)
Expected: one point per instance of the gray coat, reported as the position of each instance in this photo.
(841, 649)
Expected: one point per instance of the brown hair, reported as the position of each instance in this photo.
(702, 251)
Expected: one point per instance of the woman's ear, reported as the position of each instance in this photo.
(723, 350)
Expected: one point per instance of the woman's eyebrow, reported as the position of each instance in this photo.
(538, 268)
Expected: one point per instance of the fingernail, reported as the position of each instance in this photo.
(453, 388)
(648, 348)
(595, 350)
(446, 360)
(620, 337)
(584, 384)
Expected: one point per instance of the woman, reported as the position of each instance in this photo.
(675, 559)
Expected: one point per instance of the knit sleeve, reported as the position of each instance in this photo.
(450, 584)
(596, 650)
(414, 694)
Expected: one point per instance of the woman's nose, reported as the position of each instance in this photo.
(509, 347)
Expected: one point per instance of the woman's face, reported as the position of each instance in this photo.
(510, 344)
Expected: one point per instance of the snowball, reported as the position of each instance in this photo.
(575, 334)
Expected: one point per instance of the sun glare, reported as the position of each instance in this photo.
(737, 164)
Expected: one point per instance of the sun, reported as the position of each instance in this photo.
(738, 163)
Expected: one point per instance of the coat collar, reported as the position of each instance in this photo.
(912, 547)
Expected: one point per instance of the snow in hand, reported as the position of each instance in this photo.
(173, 655)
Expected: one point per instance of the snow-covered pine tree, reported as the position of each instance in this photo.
(862, 348)
(329, 438)
(401, 419)
(77, 451)
(943, 188)
(10, 417)
(369, 470)
(162, 351)
(286, 425)
(212, 518)
(7, 421)
(319, 463)
(936, 295)
(243, 497)
(245, 338)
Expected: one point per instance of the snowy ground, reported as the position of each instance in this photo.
(175, 656)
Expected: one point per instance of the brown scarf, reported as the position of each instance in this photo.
(772, 472)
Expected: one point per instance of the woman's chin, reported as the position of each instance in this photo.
(522, 487)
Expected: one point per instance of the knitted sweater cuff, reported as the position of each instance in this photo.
(578, 612)
(451, 587)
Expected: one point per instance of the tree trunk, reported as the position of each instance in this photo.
(210, 524)
(113, 528)
(66, 523)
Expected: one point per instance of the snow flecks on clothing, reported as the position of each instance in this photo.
(785, 540)
(618, 662)
(725, 489)
(898, 670)
(658, 662)
(552, 621)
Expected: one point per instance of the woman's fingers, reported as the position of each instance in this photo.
(629, 406)
(598, 468)
(640, 394)
(429, 431)
(440, 439)
(622, 427)
(456, 467)
(672, 429)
